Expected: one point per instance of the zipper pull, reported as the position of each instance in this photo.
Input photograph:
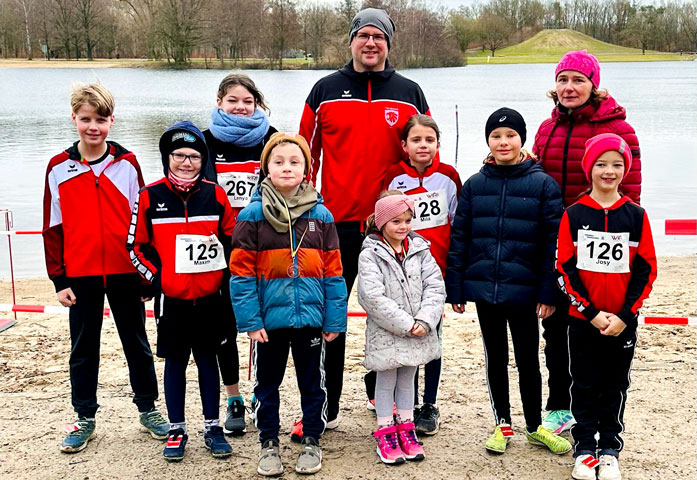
(97, 181)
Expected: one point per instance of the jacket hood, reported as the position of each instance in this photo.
(526, 167)
(364, 77)
(608, 109)
(207, 168)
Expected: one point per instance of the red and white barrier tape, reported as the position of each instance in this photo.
(670, 227)
(53, 309)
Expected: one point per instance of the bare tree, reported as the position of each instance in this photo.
(282, 30)
(26, 7)
(179, 28)
(316, 20)
(493, 32)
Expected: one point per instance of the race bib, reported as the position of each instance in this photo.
(603, 252)
(238, 186)
(198, 254)
(431, 210)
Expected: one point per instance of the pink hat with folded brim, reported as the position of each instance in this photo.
(600, 144)
(390, 207)
(580, 61)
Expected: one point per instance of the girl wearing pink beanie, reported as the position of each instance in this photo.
(401, 288)
(607, 265)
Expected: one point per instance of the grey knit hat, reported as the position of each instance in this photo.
(374, 17)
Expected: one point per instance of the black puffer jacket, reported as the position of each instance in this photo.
(504, 235)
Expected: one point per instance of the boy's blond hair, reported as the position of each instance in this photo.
(94, 94)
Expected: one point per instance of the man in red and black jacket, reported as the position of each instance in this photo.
(354, 119)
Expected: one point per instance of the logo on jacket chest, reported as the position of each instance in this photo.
(391, 116)
(161, 207)
(346, 94)
(72, 168)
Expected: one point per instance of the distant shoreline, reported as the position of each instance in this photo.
(302, 64)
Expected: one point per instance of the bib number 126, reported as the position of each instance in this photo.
(604, 252)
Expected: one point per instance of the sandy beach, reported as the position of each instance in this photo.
(660, 436)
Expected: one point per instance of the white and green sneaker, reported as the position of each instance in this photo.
(498, 441)
(557, 421)
(543, 437)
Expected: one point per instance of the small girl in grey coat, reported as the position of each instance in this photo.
(401, 288)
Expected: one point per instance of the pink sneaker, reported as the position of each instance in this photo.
(388, 446)
(410, 444)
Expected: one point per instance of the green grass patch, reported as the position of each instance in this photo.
(548, 46)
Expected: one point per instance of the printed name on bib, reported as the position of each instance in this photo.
(238, 186)
(431, 209)
(603, 252)
(198, 254)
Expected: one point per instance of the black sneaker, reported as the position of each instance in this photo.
(235, 423)
(428, 420)
(215, 442)
(176, 442)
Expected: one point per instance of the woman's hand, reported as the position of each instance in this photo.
(66, 297)
(418, 330)
(259, 335)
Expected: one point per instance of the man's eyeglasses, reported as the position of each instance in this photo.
(377, 37)
(180, 157)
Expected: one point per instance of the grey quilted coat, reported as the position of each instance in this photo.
(394, 296)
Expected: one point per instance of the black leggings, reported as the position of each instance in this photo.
(228, 355)
(208, 383)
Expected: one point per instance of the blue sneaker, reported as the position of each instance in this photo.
(558, 421)
(174, 448)
(215, 441)
(78, 434)
(155, 424)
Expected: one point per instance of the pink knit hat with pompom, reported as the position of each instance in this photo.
(580, 61)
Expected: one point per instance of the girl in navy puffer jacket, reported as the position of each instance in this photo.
(501, 256)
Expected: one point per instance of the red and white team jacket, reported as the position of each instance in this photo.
(354, 121)
(86, 217)
(435, 195)
(606, 258)
(161, 217)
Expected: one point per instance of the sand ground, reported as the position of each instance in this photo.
(35, 405)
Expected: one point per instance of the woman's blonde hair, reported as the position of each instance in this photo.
(370, 226)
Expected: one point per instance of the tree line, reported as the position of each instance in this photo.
(269, 31)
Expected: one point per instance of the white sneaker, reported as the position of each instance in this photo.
(584, 468)
(332, 424)
(609, 468)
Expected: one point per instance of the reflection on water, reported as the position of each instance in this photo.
(661, 100)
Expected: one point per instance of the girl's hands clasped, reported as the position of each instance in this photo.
(608, 324)
(418, 330)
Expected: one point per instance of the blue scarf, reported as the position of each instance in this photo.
(240, 131)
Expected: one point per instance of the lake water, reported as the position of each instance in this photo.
(661, 100)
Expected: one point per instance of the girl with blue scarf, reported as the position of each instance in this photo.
(237, 133)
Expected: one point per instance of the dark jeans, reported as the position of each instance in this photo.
(86, 316)
(600, 367)
(270, 359)
(350, 241)
(557, 354)
(525, 334)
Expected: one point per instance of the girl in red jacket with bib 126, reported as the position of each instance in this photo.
(607, 263)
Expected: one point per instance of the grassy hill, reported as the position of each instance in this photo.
(550, 45)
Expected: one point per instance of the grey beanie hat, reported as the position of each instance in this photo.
(374, 17)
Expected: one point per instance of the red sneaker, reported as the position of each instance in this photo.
(296, 433)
